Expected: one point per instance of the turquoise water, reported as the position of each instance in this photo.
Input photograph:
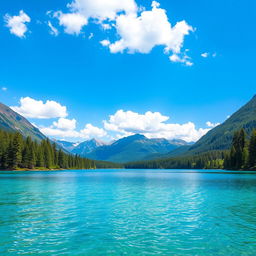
(128, 212)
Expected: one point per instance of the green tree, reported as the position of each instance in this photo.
(252, 150)
(15, 152)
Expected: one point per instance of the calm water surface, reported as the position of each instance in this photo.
(128, 212)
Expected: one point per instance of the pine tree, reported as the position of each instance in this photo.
(18, 152)
(40, 157)
(252, 150)
(245, 158)
(15, 152)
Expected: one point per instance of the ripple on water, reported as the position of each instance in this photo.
(128, 213)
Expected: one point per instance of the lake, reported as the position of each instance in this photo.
(128, 212)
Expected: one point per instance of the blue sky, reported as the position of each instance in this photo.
(94, 83)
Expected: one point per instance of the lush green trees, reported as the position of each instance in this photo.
(209, 160)
(17, 153)
(252, 150)
(242, 154)
(14, 151)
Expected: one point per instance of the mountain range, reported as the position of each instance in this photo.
(138, 147)
(131, 148)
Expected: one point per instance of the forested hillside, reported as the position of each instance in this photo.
(242, 154)
(220, 138)
(17, 152)
(11, 121)
(210, 160)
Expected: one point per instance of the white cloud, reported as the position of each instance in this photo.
(65, 128)
(53, 132)
(32, 108)
(105, 42)
(212, 125)
(102, 9)
(90, 36)
(106, 26)
(17, 24)
(53, 31)
(4, 89)
(91, 131)
(65, 124)
(152, 125)
(99, 10)
(152, 28)
(139, 30)
(73, 22)
(208, 54)
(205, 54)
(182, 59)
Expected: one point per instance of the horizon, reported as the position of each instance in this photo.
(81, 73)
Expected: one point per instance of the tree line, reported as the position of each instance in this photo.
(208, 160)
(17, 152)
(242, 155)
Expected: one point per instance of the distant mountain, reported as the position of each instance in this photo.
(87, 147)
(220, 137)
(68, 146)
(173, 153)
(13, 122)
(132, 148)
(180, 142)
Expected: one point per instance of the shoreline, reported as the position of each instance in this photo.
(181, 170)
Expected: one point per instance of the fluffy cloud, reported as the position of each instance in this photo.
(102, 9)
(32, 108)
(58, 133)
(181, 59)
(91, 131)
(17, 24)
(152, 125)
(105, 42)
(212, 125)
(99, 10)
(139, 30)
(73, 22)
(150, 29)
(65, 124)
(4, 89)
(65, 128)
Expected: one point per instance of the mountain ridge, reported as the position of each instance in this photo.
(11, 121)
(130, 148)
(220, 137)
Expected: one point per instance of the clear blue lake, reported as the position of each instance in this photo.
(128, 212)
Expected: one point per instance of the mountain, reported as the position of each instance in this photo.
(87, 147)
(173, 153)
(13, 122)
(220, 138)
(132, 148)
(180, 142)
(68, 146)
